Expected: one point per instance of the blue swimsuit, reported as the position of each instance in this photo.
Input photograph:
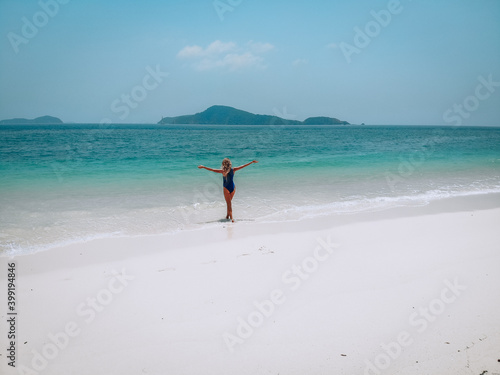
(228, 182)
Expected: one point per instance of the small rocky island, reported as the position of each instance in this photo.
(38, 120)
(224, 115)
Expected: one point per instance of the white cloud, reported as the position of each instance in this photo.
(213, 49)
(237, 61)
(300, 62)
(190, 51)
(231, 61)
(258, 47)
(225, 55)
(219, 47)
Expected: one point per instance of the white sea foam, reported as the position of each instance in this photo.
(82, 227)
(55, 193)
(360, 204)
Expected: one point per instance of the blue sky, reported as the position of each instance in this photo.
(377, 62)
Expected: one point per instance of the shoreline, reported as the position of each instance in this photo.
(221, 230)
(410, 290)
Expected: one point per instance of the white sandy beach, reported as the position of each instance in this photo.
(407, 291)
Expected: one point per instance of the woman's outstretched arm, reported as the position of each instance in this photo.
(210, 169)
(244, 165)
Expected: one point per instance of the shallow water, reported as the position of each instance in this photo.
(69, 183)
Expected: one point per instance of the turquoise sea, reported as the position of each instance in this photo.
(66, 183)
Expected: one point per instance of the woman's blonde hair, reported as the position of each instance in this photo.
(226, 165)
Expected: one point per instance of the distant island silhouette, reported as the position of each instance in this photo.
(224, 115)
(215, 115)
(38, 120)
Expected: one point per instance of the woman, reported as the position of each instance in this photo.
(227, 182)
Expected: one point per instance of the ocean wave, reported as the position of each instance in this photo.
(359, 204)
(200, 215)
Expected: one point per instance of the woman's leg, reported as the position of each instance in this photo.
(229, 197)
(228, 203)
